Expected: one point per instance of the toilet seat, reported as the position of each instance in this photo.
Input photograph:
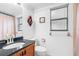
(40, 49)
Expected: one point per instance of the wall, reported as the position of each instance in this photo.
(27, 31)
(59, 43)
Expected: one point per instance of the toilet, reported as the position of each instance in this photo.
(40, 51)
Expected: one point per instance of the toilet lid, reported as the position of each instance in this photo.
(40, 48)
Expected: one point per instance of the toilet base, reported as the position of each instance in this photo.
(40, 53)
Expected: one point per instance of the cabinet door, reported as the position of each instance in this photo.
(30, 50)
(19, 53)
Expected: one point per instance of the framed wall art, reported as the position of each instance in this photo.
(42, 19)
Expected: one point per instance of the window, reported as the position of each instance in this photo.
(19, 23)
(7, 26)
(59, 18)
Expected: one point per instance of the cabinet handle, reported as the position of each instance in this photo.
(24, 52)
(21, 54)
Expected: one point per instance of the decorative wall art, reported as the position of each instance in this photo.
(29, 21)
(42, 20)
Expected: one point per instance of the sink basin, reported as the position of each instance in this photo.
(15, 45)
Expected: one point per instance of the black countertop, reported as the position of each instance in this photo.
(9, 52)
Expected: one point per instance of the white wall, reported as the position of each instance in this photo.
(59, 43)
(27, 31)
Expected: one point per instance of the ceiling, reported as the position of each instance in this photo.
(37, 5)
(15, 9)
(10, 9)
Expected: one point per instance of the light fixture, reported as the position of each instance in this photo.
(18, 3)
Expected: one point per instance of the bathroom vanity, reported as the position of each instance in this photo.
(28, 49)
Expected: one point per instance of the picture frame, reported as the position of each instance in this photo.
(42, 20)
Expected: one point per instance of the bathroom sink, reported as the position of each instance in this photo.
(15, 45)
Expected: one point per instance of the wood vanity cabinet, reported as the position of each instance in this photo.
(27, 51)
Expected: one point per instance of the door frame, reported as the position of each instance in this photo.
(74, 28)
